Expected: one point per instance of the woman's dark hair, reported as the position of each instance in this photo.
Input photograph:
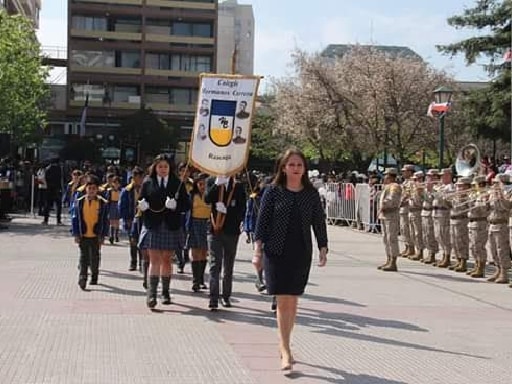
(137, 171)
(158, 159)
(197, 179)
(280, 176)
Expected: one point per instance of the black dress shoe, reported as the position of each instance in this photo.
(93, 282)
(273, 307)
(226, 302)
(203, 286)
(180, 270)
(214, 305)
(166, 300)
(132, 268)
(151, 302)
(82, 283)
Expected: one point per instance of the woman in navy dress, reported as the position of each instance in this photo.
(290, 207)
(163, 199)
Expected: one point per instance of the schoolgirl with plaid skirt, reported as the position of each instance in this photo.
(163, 199)
(197, 226)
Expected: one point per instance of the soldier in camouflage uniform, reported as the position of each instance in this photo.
(389, 203)
(427, 222)
(415, 208)
(498, 230)
(477, 227)
(459, 224)
(441, 215)
(405, 226)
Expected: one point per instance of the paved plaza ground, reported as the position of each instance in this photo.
(356, 324)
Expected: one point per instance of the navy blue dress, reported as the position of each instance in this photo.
(288, 273)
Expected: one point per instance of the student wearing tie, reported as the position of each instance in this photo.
(89, 228)
(163, 199)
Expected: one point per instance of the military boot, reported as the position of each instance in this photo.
(502, 276)
(452, 267)
(474, 269)
(494, 276)
(480, 270)
(391, 267)
(463, 266)
(445, 262)
(431, 258)
(385, 264)
(418, 256)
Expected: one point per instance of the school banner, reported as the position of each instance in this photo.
(222, 128)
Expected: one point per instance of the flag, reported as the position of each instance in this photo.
(84, 116)
(508, 56)
(222, 128)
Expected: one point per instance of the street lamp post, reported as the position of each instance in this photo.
(442, 97)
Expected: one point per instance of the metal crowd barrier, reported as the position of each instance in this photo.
(354, 205)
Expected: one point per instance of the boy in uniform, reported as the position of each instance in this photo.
(89, 228)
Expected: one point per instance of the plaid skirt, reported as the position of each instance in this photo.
(161, 238)
(113, 211)
(197, 237)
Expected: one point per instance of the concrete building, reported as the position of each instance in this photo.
(125, 54)
(28, 8)
(235, 38)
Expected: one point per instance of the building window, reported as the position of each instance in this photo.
(157, 61)
(190, 63)
(79, 92)
(122, 93)
(192, 29)
(183, 96)
(92, 58)
(127, 59)
(89, 23)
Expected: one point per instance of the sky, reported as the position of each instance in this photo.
(284, 25)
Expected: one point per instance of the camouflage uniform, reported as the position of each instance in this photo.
(427, 223)
(498, 232)
(389, 203)
(441, 216)
(405, 225)
(459, 228)
(477, 228)
(415, 208)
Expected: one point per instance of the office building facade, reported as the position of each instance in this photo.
(126, 54)
(235, 51)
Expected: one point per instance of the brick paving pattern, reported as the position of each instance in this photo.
(355, 325)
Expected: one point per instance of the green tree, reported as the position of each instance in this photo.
(149, 132)
(488, 108)
(23, 92)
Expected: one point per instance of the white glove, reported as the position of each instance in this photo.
(220, 207)
(171, 203)
(143, 205)
(222, 180)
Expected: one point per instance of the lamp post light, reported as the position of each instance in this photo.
(442, 97)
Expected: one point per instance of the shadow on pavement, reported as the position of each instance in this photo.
(467, 279)
(121, 291)
(21, 227)
(341, 376)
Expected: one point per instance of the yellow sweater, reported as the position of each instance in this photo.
(200, 210)
(90, 214)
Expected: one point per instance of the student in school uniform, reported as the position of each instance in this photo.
(113, 208)
(89, 228)
(127, 210)
(163, 201)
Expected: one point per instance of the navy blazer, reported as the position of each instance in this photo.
(78, 226)
(156, 197)
(274, 218)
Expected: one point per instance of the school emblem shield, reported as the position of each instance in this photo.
(222, 121)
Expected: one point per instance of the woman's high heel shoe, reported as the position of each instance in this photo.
(286, 367)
